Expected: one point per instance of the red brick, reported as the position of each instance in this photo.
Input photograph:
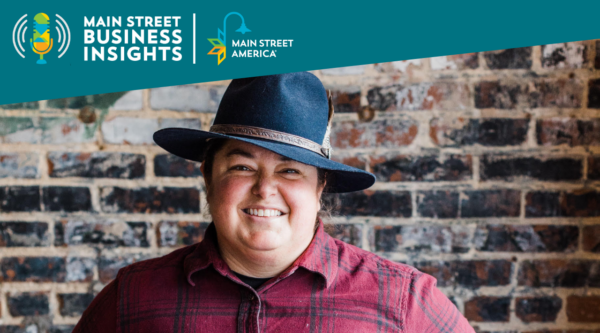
(346, 101)
(438, 204)
(519, 58)
(560, 273)
(573, 132)
(388, 133)
(593, 164)
(591, 238)
(538, 309)
(529, 238)
(182, 233)
(396, 168)
(376, 203)
(150, 200)
(491, 203)
(594, 94)
(499, 95)
(488, 309)
(563, 93)
(469, 274)
(583, 309)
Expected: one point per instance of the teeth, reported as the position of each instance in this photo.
(264, 212)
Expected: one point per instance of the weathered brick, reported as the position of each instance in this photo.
(73, 305)
(421, 96)
(101, 101)
(349, 70)
(564, 55)
(529, 238)
(452, 131)
(191, 123)
(376, 203)
(387, 133)
(491, 203)
(422, 238)
(169, 165)
(574, 132)
(594, 94)
(182, 233)
(65, 130)
(33, 269)
(456, 61)
(561, 93)
(108, 233)
(488, 309)
(542, 309)
(346, 100)
(593, 165)
(395, 67)
(131, 100)
(15, 106)
(129, 131)
(581, 203)
(28, 304)
(13, 234)
(353, 161)
(494, 167)
(80, 269)
(560, 273)
(349, 233)
(19, 199)
(494, 94)
(187, 98)
(591, 238)
(583, 309)
(19, 165)
(469, 274)
(96, 165)
(396, 168)
(67, 199)
(150, 200)
(438, 204)
(519, 58)
(108, 267)
(61, 329)
(20, 129)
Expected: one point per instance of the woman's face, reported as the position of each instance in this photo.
(262, 201)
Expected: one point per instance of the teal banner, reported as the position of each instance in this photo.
(73, 48)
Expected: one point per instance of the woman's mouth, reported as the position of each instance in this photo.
(262, 212)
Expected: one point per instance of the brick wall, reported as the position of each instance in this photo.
(488, 168)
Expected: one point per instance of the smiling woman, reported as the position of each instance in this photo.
(265, 263)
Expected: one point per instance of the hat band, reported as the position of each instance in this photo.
(263, 133)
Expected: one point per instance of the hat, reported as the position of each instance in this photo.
(289, 114)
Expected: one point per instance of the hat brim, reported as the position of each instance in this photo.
(191, 144)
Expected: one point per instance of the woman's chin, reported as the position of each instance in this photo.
(266, 240)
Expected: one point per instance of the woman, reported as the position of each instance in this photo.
(265, 264)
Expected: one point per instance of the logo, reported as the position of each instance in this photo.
(220, 43)
(41, 42)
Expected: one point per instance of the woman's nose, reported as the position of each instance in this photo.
(265, 186)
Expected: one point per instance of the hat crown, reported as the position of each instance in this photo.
(294, 103)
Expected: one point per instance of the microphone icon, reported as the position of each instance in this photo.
(41, 43)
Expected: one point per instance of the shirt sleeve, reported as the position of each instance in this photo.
(428, 310)
(101, 315)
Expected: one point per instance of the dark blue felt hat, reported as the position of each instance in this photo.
(289, 114)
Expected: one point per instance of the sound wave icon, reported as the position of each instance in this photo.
(62, 30)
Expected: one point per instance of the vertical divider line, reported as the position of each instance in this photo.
(194, 38)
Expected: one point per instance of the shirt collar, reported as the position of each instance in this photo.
(321, 257)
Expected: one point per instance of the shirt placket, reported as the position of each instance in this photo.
(249, 311)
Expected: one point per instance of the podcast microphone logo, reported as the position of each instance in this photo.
(42, 43)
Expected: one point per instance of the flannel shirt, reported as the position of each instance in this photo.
(331, 287)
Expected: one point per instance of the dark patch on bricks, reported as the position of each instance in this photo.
(581, 203)
(563, 93)
(172, 233)
(150, 200)
(349, 233)
(560, 273)
(73, 305)
(542, 204)
(28, 304)
(488, 309)
(538, 309)
(101, 101)
(169, 165)
(387, 133)
(591, 238)
(486, 132)
(13, 234)
(106, 233)
(387, 238)
(438, 204)
(530, 238)
(20, 199)
(493, 94)
(583, 309)
(383, 98)
(15, 106)
(593, 164)
(376, 203)
(422, 168)
(96, 165)
(422, 238)
(31, 269)
(501, 168)
(594, 94)
(491, 203)
(346, 101)
(59, 234)
(109, 267)
(574, 132)
(469, 274)
(67, 199)
(420, 96)
(519, 58)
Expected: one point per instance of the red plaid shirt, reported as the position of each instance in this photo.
(331, 287)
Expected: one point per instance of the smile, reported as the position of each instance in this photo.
(262, 212)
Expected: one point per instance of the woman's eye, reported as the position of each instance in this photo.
(240, 168)
(290, 171)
